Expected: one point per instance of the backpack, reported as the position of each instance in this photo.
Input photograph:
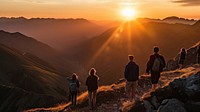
(73, 86)
(157, 64)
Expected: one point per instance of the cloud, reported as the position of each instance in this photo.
(188, 2)
(42, 1)
(30, 1)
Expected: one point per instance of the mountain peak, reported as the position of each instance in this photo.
(6, 34)
(197, 23)
(175, 19)
(171, 17)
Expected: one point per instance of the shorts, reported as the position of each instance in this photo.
(131, 86)
(155, 76)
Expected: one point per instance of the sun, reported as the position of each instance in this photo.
(128, 13)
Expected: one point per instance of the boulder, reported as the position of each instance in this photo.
(192, 106)
(171, 105)
(155, 102)
(192, 87)
(191, 57)
(178, 89)
(148, 106)
(172, 65)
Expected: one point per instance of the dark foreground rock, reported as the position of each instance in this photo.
(181, 95)
(171, 105)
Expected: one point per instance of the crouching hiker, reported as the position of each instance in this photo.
(74, 85)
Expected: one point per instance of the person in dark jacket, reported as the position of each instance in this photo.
(198, 54)
(155, 66)
(74, 85)
(131, 75)
(92, 84)
(182, 58)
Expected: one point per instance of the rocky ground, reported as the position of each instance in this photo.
(112, 98)
(180, 95)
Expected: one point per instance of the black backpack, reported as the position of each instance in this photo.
(157, 64)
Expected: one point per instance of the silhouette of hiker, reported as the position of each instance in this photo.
(131, 75)
(182, 58)
(155, 66)
(92, 84)
(198, 55)
(74, 85)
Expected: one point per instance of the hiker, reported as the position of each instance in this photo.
(198, 54)
(182, 58)
(92, 84)
(131, 75)
(74, 85)
(155, 66)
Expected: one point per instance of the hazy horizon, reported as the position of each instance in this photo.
(97, 20)
(99, 9)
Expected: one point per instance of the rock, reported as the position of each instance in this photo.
(191, 55)
(178, 89)
(148, 106)
(171, 105)
(192, 106)
(120, 81)
(192, 87)
(172, 65)
(187, 88)
(155, 102)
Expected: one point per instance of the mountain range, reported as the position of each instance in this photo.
(58, 33)
(170, 19)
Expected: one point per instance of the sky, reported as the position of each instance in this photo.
(99, 9)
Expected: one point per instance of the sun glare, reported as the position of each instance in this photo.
(128, 13)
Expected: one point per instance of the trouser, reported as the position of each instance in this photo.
(131, 87)
(155, 76)
(73, 97)
(92, 98)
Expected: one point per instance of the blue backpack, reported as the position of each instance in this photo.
(73, 86)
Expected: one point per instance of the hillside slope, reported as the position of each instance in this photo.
(25, 79)
(39, 49)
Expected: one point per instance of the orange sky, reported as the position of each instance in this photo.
(99, 9)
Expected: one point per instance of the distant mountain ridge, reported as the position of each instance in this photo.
(58, 33)
(171, 20)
